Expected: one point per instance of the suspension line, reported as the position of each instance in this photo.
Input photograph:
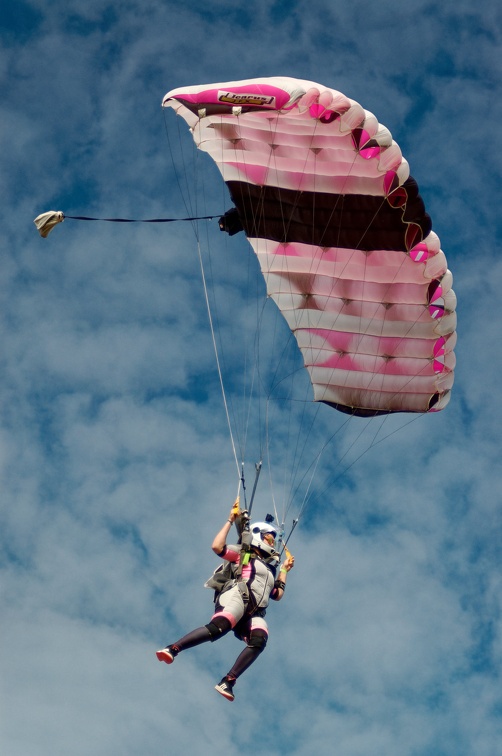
(218, 365)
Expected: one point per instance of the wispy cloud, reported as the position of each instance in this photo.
(115, 462)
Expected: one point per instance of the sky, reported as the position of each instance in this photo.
(116, 462)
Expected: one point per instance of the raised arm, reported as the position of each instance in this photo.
(220, 539)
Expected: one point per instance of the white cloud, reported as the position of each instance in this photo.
(115, 463)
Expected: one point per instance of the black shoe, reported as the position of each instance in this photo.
(167, 654)
(225, 687)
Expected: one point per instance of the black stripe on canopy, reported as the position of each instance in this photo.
(351, 221)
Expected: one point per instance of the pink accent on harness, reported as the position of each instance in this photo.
(230, 555)
(234, 556)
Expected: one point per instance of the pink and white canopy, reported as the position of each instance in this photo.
(346, 247)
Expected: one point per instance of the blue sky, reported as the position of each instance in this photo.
(115, 461)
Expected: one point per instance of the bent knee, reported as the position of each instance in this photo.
(218, 627)
(258, 639)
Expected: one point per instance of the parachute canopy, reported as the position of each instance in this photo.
(346, 247)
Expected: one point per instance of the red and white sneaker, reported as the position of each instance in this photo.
(167, 654)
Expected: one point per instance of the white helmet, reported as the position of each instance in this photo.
(258, 530)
